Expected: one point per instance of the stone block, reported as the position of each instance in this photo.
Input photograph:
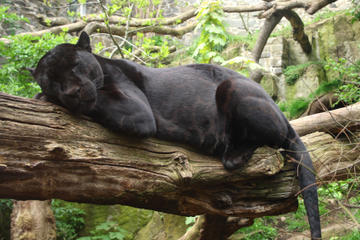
(276, 62)
(276, 70)
(277, 50)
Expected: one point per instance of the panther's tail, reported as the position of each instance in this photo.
(297, 150)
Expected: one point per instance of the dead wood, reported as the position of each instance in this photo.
(323, 103)
(334, 122)
(47, 153)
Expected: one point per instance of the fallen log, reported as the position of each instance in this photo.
(46, 153)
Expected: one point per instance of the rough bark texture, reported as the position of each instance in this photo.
(32, 220)
(334, 121)
(298, 30)
(265, 32)
(96, 27)
(323, 103)
(49, 154)
(46, 153)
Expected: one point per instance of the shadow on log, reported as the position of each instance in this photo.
(46, 153)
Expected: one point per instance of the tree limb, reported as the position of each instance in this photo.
(298, 30)
(46, 153)
(119, 30)
(269, 25)
(334, 121)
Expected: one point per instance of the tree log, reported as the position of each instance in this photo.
(46, 153)
(334, 122)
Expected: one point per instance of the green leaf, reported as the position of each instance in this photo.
(116, 236)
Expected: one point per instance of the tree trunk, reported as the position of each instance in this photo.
(32, 220)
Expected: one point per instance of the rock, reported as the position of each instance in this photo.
(270, 83)
(129, 218)
(163, 226)
(308, 82)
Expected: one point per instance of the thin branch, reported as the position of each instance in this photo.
(127, 26)
(106, 20)
(269, 25)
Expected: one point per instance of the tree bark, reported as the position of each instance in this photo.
(32, 220)
(265, 32)
(298, 30)
(46, 153)
(334, 122)
(162, 30)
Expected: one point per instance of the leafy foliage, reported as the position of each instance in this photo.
(348, 73)
(189, 222)
(293, 72)
(24, 52)
(260, 230)
(148, 49)
(343, 79)
(355, 10)
(107, 231)
(213, 36)
(325, 87)
(346, 191)
(154, 48)
(10, 21)
(5, 212)
(69, 219)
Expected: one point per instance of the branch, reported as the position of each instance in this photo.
(269, 25)
(118, 30)
(298, 30)
(315, 6)
(332, 122)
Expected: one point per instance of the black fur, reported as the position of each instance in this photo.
(207, 106)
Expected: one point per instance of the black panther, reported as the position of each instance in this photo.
(212, 108)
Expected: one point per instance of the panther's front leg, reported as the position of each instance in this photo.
(128, 113)
(237, 157)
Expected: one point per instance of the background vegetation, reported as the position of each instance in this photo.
(344, 79)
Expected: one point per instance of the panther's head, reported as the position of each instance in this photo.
(70, 75)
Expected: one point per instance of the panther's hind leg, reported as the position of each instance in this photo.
(236, 157)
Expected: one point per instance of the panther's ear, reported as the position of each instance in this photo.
(84, 41)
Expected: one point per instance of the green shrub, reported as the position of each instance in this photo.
(24, 52)
(10, 21)
(294, 72)
(107, 231)
(262, 229)
(355, 10)
(326, 87)
(5, 212)
(354, 235)
(213, 36)
(298, 106)
(69, 219)
(348, 74)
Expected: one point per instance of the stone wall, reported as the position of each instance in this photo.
(334, 37)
